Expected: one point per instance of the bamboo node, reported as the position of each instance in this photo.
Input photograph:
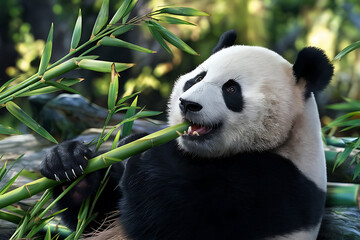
(28, 190)
(103, 158)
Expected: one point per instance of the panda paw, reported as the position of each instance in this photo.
(66, 161)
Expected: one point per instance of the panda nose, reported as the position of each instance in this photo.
(189, 106)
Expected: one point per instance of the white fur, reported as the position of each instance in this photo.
(271, 101)
(305, 146)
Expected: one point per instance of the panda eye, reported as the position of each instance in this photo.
(231, 90)
(198, 79)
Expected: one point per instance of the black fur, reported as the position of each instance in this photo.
(314, 67)
(193, 81)
(227, 39)
(168, 195)
(232, 96)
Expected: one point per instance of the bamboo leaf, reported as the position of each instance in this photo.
(114, 42)
(129, 9)
(45, 58)
(62, 87)
(103, 66)
(8, 130)
(116, 140)
(48, 233)
(120, 13)
(356, 171)
(122, 29)
(173, 20)
(123, 99)
(43, 89)
(36, 229)
(101, 18)
(3, 169)
(9, 183)
(17, 112)
(182, 11)
(126, 130)
(60, 69)
(173, 39)
(348, 49)
(114, 88)
(5, 85)
(76, 33)
(159, 38)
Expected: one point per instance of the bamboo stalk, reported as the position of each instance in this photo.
(342, 194)
(99, 162)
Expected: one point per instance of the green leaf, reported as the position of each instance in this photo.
(103, 66)
(45, 58)
(43, 89)
(123, 99)
(173, 39)
(62, 87)
(159, 38)
(183, 11)
(129, 9)
(76, 33)
(173, 20)
(8, 130)
(5, 85)
(101, 18)
(48, 233)
(348, 49)
(126, 130)
(17, 112)
(116, 140)
(121, 30)
(114, 88)
(120, 13)
(64, 67)
(114, 42)
(9, 183)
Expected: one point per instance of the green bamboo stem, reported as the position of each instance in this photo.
(19, 86)
(342, 194)
(97, 163)
(10, 217)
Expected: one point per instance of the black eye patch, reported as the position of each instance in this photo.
(194, 80)
(232, 95)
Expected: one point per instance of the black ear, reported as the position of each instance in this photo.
(314, 67)
(227, 39)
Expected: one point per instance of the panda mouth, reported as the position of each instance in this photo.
(197, 131)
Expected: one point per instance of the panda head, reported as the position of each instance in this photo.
(244, 98)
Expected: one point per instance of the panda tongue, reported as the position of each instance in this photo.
(199, 129)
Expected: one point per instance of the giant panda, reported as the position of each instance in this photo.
(250, 166)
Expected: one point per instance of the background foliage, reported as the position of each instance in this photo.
(284, 26)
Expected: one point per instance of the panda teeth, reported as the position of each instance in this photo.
(196, 133)
(179, 133)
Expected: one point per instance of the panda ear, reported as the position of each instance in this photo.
(227, 39)
(314, 67)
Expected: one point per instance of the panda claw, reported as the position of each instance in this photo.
(67, 177)
(82, 170)
(86, 158)
(73, 173)
(56, 178)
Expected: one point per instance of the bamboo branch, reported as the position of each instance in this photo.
(96, 163)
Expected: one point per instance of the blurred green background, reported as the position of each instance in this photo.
(285, 26)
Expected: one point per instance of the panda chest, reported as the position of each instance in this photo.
(263, 194)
